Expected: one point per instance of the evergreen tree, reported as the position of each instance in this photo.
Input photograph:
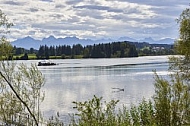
(25, 57)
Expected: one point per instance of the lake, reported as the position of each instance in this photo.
(80, 79)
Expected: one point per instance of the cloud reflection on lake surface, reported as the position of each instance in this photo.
(80, 79)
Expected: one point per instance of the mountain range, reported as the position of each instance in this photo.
(29, 42)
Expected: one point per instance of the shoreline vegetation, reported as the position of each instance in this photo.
(106, 50)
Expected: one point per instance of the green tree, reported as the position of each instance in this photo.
(77, 49)
(182, 62)
(41, 52)
(182, 46)
(172, 98)
(5, 49)
(20, 86)
(18, 51)
(86, 53)
(47, 52)
(162, 100)
(24, 57)
(132, 51)
(31, 50)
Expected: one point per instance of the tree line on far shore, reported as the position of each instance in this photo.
(103, 50)
(106, 50)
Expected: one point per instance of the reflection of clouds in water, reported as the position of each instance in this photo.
(80, 84)
(57, 101)
(73, 89)
(144, 76)
(162, 73)
(135, 88)
(78, 92)
(77, 78)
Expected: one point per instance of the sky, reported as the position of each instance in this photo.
(94, 19)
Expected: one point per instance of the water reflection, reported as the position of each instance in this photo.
(80, 79)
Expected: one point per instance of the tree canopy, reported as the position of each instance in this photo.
(183, 44)
(104, 50)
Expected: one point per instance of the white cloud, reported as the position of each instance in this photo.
(93, 19)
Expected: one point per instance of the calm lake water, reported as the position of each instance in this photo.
(80, 79)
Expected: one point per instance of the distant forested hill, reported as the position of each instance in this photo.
(103, 50)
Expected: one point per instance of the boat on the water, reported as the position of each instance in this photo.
(46, 63)
(119, 89)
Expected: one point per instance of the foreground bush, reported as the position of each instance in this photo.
(170, 106)
(96, 112)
